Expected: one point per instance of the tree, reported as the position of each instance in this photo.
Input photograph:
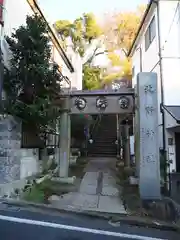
(120, 28)
(116, 34)
(91, 76)
(85, 34)
(31, 83)
(119, 32)
(83, 31)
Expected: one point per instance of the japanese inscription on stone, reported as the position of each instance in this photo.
(149, 172)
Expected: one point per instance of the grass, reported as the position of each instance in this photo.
(40, 193)
(132, 201)
(130, 193)
(131, 198)
(34, 194)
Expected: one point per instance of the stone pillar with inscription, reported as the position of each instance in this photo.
(136, 131)
(148, 144)
(10, 144)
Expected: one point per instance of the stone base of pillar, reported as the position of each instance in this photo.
(68, 180)
(134, 180)
(73, 160)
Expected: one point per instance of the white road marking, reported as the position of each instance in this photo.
(73, 228)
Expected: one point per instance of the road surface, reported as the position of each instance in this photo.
(27, 224)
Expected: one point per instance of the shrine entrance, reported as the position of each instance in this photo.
(107, 107)
(142, 104)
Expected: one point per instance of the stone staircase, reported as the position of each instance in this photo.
(104, 138)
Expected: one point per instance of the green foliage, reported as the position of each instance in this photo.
(82, 32)
(34, 194)
(92, 29)
(91, 77)
(64, 27)
(119, 31)
(32, 83)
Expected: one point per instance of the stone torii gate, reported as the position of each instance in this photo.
(143, 104)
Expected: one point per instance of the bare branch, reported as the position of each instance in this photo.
(95, 53)
(99, 53)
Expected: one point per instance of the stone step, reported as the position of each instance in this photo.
(104, 144)
(108, 150)
(101, 155)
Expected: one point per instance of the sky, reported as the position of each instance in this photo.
(71, 9)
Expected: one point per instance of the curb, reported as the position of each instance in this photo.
(42, 206)
(148, 223)
(123, 218)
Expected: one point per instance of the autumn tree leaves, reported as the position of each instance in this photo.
(112, 38)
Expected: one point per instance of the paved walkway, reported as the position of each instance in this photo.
(98, 190)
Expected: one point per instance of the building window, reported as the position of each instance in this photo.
(170, 141)
(150, 33)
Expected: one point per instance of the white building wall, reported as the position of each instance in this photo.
(149, 61)
(170, 45)
(14, 15)
(136, 64)
(76, 76)
(150, 56)
(170, 49)
(64, 69)
(76, 61)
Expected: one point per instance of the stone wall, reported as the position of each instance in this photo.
(10, 143)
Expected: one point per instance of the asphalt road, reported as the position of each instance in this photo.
(27, 224)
